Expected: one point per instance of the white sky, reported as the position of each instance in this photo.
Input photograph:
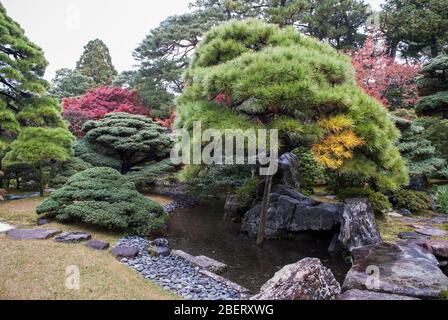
(62, 27)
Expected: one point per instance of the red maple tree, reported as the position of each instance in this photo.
(96, 103)
(168, 122)
(390, 82)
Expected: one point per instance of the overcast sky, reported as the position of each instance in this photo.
(63, 27)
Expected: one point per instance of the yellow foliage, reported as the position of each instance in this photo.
(336, 148)
(336, 124)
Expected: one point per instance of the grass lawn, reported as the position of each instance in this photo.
(36, 269)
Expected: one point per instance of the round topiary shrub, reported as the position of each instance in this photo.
(104, 198)
(413, 200)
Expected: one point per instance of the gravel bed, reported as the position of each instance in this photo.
(176, 274)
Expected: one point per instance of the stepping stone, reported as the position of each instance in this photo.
(125, 252)
(210, 264)
(97, 245)
(432, 232)
(41, 222)
(31, 234)
(73, 237)
(438, 247)
(356, 294)
(5, 227)
(412, 236)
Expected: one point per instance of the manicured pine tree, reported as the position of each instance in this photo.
(134, 139)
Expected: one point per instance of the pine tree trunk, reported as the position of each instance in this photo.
(264, 211)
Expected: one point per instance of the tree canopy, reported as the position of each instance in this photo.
(432, 85)
(134, 139)
(416, 28)
(95, 104)
(282, 79)
(96, 63)
(70, 83)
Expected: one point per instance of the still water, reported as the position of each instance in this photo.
(200, 230)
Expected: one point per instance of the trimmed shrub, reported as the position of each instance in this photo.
(413, 200)
(311, 172)
(103, 197)
(148, 174)
(67, 169)
(380, 203)
(442, 198)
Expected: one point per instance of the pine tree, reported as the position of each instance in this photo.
(419, 153)
(96, 63)
(415, 28)
(132, 138)
(248, 74)
(39, 146)
(432, 85)
(32, 131)
(70, 83)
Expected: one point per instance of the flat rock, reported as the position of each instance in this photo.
(358, 226)
(438, 247)
(41, 222)
(5, 227)
(202, 262)
(125, 252)
(307, 279)
(394, 214)
(73, 237)
(370, 295)
(432, 232)
(402, 269)
(31, 234)
(97, 245)
(210, 264)
(412, 236)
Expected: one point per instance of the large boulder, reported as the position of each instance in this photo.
(290, 212)
(288, 170)
(437, 247)
(358, 227)
(307, 279)
(403, 269)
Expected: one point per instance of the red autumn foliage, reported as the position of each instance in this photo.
(383, 78)
(97, 103)
(168, 122)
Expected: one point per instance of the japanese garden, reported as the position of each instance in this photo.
(347, 103)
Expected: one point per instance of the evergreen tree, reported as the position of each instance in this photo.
(337, 22)
(250, 74)
(22, 65)
(416, 28)
(132, 138)
(432, 85)
(24, 108)
(40, 146)
(419, 153)
(96, 63)
(70, 83)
